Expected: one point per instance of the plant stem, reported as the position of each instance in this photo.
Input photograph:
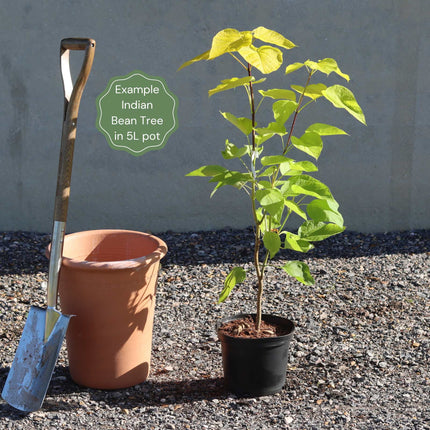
(296, 113)
(259, 270)
(260, 275)
(237, 59)
(260, 280)
(251, 92)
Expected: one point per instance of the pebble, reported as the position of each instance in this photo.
(358, 359)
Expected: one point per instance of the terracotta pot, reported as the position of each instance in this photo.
(108, 281)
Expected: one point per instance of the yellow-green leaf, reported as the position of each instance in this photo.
(279, 94)
(228, 84)
(293, 67)
(270, 160)
(316, 231)
(294, 207)
(232, 151)
(325, 129)
(265, 133)
(266, 58)
(312, 91)
(304, 166)
(327, 66)
(271, 200)
(243, 124)
(271, 129)
(204, 56)
(211, 170)
(283, 109)
(300, 271)
(306, 185)
(294, 242)
(236, 276)
(325, 210)
(270, 36)
(229, 40)
(343, 98)
(272, 242)
(310, 143)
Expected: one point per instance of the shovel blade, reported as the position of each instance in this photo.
(33, 365)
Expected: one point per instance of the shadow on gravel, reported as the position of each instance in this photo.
(23, 252)
(49, 405)
(150, 393)
(236, 246)
(61, 395)
(8, 411)
(162, 393)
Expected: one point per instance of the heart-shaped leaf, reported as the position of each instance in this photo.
(310, 143)
(325, 129)
(325, 210)
(272, 242)
(279, 94)
(270, 36)
(300, 271)
(343, 98)
(266, 58)
(315, 231)
(327, 66)
(293, 67)
(243, 124)
(307, 185)
(282, 110)
(228, 84)
(236, 276)
(211, 170)
(229, 40)
(313, 91)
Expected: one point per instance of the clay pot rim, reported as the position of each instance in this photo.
(133, 263)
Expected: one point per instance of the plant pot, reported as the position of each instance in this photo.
(256, 367)
(108, 282)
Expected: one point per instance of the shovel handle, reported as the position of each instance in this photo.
(72, 98)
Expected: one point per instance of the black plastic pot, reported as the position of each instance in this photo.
(256, 367)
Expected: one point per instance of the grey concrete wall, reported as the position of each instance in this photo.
(380, 174)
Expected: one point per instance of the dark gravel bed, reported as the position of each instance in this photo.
(359, 357)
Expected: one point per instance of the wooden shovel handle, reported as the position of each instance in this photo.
(72, 99)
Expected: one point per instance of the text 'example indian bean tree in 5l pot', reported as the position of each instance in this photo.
(275, 167)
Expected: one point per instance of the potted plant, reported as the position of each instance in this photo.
(278, 185)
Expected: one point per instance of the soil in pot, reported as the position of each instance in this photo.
(255, 365)
(245, 328)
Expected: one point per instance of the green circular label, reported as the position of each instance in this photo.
(136, 113)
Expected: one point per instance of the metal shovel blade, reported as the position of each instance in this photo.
(33, 365)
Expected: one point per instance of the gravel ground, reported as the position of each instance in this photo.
(359, 357)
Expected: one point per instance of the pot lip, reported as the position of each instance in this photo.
(249, 340)
(133, 263)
